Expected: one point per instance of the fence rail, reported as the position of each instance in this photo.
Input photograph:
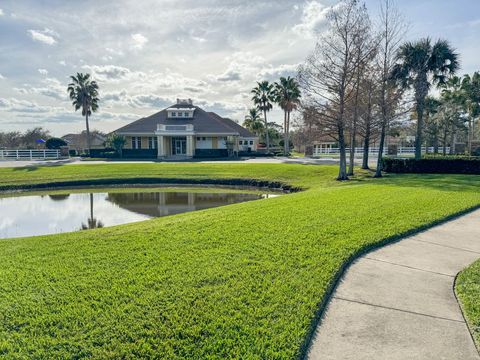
(318, 151)
(29, 154)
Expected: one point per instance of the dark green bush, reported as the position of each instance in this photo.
(55, 143)
(440, 165)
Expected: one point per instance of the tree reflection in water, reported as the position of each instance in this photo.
(92, 223)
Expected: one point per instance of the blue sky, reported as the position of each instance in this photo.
(145, 53)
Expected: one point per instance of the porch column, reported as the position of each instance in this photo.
(161, 152)
(190, 149)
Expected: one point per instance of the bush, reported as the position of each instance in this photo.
(55, 143)
(440, 165)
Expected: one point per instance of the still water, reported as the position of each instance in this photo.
(49, 214)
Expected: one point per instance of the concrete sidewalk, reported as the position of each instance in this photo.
(398, 302)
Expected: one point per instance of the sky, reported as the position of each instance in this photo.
(145, 54)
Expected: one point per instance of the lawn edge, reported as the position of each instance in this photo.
(462, 310)
(254, 183)
(322, 306)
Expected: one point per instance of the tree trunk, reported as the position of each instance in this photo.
(366, 147)
(445, 135)
(435, 142)
(418, 138)
(378, 172)
(342, 173)
(285, 133)
(469, 137)
(267, 136)
(88, 134)
(286, 144)
(352, 148)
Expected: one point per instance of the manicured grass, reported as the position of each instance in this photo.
(240, 281)
(467, 288)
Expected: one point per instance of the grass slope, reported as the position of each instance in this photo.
(241, 281)
(467, 288)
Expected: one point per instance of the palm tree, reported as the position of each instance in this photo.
(84, 95)
(419, 65)
(287, 96)
(263, 96)
(253, 122)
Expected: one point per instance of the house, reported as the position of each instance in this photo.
(78, 142)
(184, 130)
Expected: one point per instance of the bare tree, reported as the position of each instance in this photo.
(329, 74)
(368, 119)
(392, 31)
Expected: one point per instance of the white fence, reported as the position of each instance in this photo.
(401, 151)
(29, 154)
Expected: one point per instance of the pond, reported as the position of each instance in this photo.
(30, 215)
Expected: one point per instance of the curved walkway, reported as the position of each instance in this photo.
(398, 302)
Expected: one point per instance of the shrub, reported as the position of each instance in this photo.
(440, 165)
(55, 143)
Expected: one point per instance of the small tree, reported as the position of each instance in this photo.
(116, 142)
(55, 143)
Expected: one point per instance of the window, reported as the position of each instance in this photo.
(186, 114)
(153, 142)
(240, 142)
(136, 142)
(174, 114)
(204, 138)
(199, 138)
(251, 142)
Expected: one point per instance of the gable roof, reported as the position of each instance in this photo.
(203, 123)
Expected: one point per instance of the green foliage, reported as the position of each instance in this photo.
(253, 122)
(116, 142)
(240, 281)
(55, 143)
(467, 288)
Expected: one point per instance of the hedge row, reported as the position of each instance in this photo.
(433, 166)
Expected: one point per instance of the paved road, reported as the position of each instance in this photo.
(398, 302)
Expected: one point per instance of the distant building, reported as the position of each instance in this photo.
(78, 142)
(184, 130)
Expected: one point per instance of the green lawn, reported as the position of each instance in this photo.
(467, 288)
(240, 281)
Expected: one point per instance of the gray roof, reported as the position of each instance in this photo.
(202, 121)
(237, 127)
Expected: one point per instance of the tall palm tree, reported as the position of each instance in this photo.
(287, 96)
(84, 95)
(253, 122)
(263, 97)
(419, 65)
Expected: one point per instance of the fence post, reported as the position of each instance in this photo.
(31, 155)
(17, 154)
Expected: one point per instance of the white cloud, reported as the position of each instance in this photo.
(2, 77)
(139, 41)
(113, 73)
(24, 106)
(62, 62)
(46, 36)
(314, 17)
(1, 12)
(43, 71)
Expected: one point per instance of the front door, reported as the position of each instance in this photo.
(179, 146)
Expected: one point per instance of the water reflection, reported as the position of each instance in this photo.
(54, 213)
(92, 223)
